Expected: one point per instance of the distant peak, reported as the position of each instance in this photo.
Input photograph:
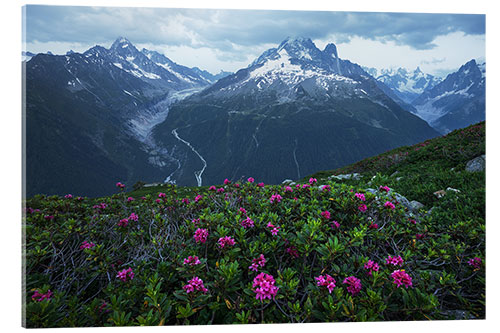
(331, 50)
(297, 40)
(121, 42)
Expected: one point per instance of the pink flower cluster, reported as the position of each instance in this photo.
(326, 215)
(360, 196)
(162, 195)
(37, 296)
(327, 188)
(395, 261)
(389, 205)
(313, 181)
(264, 287)
(133, 217)
(292, 251)
(371, 266)
(251, 180)
(212, 188)
(353, 285)
(475, 262)
(195, 284)
(247, 223)
(220, 190)
(226, 241)
(227, 182)
(102, 205)
(288, 189)
(401, 278)
(198, 198)
(326, 281)
(274, 229)
(362, 208)
(261, 184)
(275, 197)
(125, 273)
(185, 201)
(373, 226)
(86, 245)
(120, 185)
(201, 235)
(129, 199)
(68, 196)
(256, 263)
(384, 188)
(335, 225)
(123, 223)
(192, 261)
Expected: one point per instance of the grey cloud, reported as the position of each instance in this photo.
(223, 29)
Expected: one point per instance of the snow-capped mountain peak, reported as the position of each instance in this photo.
(458, 101)
(407, 84)
(121, 43)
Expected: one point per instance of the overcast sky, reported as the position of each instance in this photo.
(231, 39)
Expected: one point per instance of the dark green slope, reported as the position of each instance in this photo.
(281, 141)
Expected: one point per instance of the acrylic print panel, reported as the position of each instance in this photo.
(218, 166)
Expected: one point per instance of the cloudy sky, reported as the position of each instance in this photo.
(230, 39)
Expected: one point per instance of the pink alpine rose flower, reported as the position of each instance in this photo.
(326, 215)
(86, 245)
(475, 262)
(384, 188)
(226, 241)
(37, 296)
(264, 287)
(125, 274)
(275, 197)
(247, 223)
(371, 267)
(362, 208)
(360, 196)
(353, 285)
(274, 229)
(389, 205)
(401, 278)
(123, 223)
(195, 284)
(256, 263)
(395, 261)
(192, 261)
(335, 225)
(200, 235)
(326, 281)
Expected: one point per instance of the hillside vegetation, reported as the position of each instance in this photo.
(324, 249)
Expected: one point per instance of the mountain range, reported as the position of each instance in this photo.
(294, 110)
(121, 114)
